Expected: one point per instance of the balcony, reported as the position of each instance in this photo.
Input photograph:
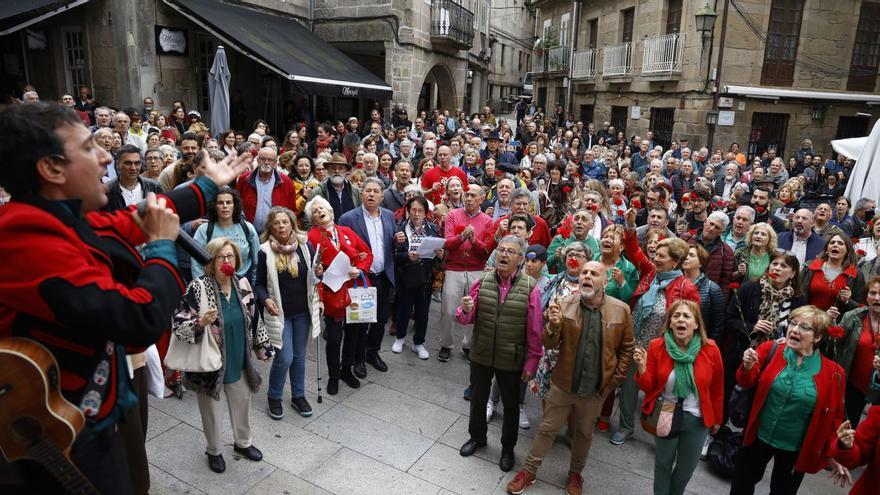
(617, 61)
(452, 25)
(583, 65)
(556, 59)
(661, 58)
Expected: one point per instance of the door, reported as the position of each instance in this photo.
(661, 123)
(75, 58)
(205, 49)
(768, 131)
(619, 117)
(586, 115)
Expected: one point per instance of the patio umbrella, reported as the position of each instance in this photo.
(864, 181)
(218, 86)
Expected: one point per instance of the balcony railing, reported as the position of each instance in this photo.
(557, 58)
(583, 64)
(617, 60)
(451, 24)
(538, 63)
(662, 54)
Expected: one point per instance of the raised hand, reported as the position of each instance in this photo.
(227, 169)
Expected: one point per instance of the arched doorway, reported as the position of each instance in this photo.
(438, 89)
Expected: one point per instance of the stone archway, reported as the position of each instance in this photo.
(438, 89)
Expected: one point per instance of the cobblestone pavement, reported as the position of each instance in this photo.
(398, 434)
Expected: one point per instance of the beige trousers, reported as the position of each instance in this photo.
(558, 405)
(238, 397)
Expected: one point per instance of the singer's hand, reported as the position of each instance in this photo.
(227, 169)
(159, 222)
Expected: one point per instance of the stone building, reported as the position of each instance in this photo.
(291, 60)
(512, 29)
(787, 69)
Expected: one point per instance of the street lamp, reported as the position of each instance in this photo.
(705, 19)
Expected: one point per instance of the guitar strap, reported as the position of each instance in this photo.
(98, 385)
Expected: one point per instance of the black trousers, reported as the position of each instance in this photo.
(100, 458)
(751, 463)
(370, 339)
(854, 405)
(133, 431)
(340, 337)
(481, 384)
(408, 301)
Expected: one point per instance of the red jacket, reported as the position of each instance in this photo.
(540, 233)
(708, 376)
(680, 288)
(352, 246)
(283, 193)
(865, 451)
(826, 417)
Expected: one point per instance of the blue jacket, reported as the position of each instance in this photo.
(354, 220)
(815, 244)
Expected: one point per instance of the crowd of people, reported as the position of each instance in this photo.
(591, 271)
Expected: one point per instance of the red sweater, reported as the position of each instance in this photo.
(352, 246)
(708, 376)
(826, 416)
(865, 451)
(466, 255)
(680, 288)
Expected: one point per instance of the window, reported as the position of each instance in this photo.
(564, 28)
(783, 35)
(768, 132)
(594, 32)
(626, 24)
(503, 60)
(619, 117)
(662, 120)
(205, 59)
(866, 52)
(548, 26)
(75, 71)
(673, 17)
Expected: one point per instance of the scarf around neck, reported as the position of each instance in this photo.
(285, 259)
(649, 298)
(772, 299)
(684, 364)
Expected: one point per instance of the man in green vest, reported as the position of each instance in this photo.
(505, 308)
(594, 335)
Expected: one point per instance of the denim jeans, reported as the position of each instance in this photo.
(291, 358)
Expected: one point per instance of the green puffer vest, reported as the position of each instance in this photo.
(499, 339)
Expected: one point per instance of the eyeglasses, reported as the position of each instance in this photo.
(265, 160)
(509, 252)
(803, 326)
(226, 257)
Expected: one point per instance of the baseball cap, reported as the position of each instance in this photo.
(536, 251)
(194, 112)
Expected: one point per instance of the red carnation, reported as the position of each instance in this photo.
(861, 252)
(566, 189)
(618, 201)
(573, 263)
(760, 209)
(636, 203)
(692, 232)
(459, 229)
(686, 198)
(773, 276)
(734, 285)
(565, 227)
(660, 238)
(836, 332)
(870, 224)
(594, 207)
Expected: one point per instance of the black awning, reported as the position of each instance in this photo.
(285, 46)
(16, 15)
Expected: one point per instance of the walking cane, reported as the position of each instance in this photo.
(318, 360)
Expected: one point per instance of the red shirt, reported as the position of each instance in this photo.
(863, 362)
(435, 175)
(823, 293)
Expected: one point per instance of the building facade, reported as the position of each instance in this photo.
(768, 74)
(512, 29)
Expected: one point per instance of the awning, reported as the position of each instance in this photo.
(16, 15)
(800, 94)
(286, 47)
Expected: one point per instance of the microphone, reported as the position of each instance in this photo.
(184, 240)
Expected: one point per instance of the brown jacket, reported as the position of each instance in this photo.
(617, 342)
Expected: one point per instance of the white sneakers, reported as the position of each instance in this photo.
(420, 350)
(523, 420)
(490, 410)
(397, 346)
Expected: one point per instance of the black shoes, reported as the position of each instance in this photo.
(359, 370)
(251, 452)
(467, 355)
(506, 462)
(444, 355)
(467, 393)
(275, 409)
(348, 378)
(470, 447)
(216, 463)
(332, 386)
(376, 362)
(302, 406)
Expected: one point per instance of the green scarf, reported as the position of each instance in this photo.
(684, 364)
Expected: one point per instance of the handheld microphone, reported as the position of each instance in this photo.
(184, 240)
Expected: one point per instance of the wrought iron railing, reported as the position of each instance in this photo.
(583, 64)
(452, 21)
(662, 54)
(617, 59)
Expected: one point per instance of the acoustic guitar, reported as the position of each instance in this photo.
(36, 422)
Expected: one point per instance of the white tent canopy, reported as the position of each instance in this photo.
(864, 182)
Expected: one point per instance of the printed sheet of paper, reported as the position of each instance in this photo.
(429, 245)
(337, 273)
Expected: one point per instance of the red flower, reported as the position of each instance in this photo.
(836, 332)
(861, 252)
(459, 229)
(870, 224)
(660, 238)
(636, 203)
(760, 208)
(855, 240)
(734, 285)
(594, 207)
(686, 198)
(773, 276)
(618, 201)
(573, 263)
(692, 232)
(566, 189)
(565, 227)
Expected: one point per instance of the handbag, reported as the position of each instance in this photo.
(201, 357)
(723, 450)
(364, 303)
(540, 384)
(740, 403)
(664, 420)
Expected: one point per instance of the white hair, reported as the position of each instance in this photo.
(748, 209)
(720, 217)
(317, 200)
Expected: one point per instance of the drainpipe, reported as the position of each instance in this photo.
(569, 91)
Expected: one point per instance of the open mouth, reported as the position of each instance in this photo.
(794, 338)
(834, 252)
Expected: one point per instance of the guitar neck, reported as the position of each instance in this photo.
(60, 467)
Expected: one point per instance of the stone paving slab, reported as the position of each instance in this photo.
(158, 422)
(283, 483)
(348, 472)
(401, 410)
(289, 447)
(443, 466)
